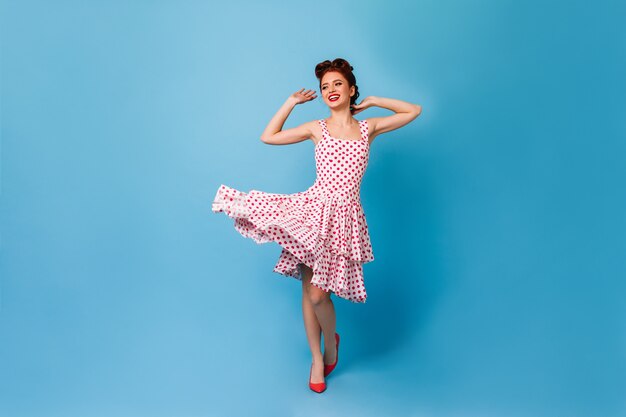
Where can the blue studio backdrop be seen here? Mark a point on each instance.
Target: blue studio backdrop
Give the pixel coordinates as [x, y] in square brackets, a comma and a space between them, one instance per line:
[497, 217]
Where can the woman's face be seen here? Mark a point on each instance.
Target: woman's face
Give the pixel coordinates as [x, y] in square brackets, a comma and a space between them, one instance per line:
[335, 86]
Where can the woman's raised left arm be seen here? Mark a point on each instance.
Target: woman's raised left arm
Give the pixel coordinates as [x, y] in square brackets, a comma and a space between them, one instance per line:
[405, 113]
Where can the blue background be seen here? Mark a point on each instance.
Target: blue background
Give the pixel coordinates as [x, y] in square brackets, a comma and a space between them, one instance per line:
[497, 217]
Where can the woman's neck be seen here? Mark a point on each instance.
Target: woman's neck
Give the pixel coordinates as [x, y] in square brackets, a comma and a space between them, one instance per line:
[341, 118]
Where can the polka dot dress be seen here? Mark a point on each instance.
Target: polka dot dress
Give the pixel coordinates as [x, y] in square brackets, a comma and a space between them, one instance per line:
[323, 227]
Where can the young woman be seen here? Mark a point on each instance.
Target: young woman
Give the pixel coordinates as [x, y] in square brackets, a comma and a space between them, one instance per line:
[322, 230]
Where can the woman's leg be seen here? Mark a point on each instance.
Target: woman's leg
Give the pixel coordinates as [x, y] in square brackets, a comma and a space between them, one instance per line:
[318, 311]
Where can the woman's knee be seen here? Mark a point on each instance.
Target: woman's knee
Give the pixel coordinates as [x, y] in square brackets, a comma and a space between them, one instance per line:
[317, 295]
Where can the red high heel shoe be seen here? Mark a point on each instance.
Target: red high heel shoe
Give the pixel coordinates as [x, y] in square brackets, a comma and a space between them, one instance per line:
[329, 368]
[316, 386]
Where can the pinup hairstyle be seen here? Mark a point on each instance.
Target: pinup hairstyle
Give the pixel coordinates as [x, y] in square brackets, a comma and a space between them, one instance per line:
[342, 66]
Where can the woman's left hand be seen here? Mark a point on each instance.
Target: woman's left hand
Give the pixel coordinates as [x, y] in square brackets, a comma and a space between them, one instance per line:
[364, 104]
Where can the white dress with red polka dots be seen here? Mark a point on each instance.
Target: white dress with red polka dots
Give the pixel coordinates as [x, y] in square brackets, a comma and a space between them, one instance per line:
[323, 227]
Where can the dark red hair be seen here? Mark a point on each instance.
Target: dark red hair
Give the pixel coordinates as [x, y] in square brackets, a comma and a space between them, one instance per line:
[342, 66]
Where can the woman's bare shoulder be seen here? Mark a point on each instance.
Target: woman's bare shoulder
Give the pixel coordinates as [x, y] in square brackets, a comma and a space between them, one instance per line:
[315, 128]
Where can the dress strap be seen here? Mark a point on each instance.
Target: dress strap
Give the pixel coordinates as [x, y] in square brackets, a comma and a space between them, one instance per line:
[322, 123]
[363, 127]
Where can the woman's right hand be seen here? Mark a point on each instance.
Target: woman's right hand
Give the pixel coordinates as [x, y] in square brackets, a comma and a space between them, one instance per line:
[303, 96]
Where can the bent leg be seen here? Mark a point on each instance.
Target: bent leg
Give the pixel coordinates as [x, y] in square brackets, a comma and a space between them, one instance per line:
[312, 327]
[311, 324]
[319, 301]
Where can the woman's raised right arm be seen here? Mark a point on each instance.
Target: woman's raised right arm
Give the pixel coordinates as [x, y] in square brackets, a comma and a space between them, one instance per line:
[273, 133]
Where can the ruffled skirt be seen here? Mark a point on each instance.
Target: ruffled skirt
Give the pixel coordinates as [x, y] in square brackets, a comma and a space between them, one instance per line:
[321, 230]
